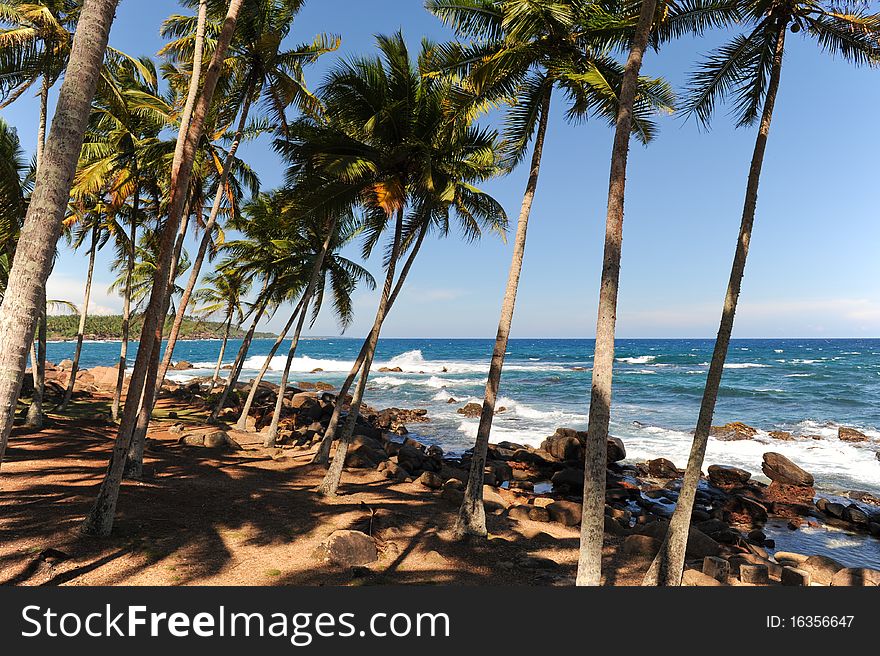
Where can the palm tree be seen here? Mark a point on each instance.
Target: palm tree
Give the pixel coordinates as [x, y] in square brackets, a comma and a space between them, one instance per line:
[224, 294]
[404, 158]
[748, 69]
[100, 518]
[35, 48]
[42, 225]
[522, 50]
[258, 70]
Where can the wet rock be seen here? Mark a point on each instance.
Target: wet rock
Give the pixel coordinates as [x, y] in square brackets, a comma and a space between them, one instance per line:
[851, 435]
[351, 548]
[835, 510]
[471, 410]
[662, 468]
[852, 576]
[723, 476]
[616, 450]
[821, 568]
[735, 430]
[390, 370]
[779, 468]
[181, 365]
[855, 515]
[782, 436]
[394, 419]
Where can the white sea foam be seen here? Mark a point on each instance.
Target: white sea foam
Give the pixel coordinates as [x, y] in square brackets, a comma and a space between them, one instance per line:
[642, 359]
[745, 365]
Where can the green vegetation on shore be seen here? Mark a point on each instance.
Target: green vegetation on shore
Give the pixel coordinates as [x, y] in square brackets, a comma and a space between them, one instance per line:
[65, 326]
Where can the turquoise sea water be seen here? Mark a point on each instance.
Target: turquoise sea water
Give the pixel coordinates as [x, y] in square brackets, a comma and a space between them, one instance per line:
[807, 387]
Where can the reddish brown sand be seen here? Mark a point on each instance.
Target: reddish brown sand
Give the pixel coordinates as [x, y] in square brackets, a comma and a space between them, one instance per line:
[246, 518]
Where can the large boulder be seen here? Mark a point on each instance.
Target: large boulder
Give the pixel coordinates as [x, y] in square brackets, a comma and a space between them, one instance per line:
[851, 435]
[105, 377]
[616, 450]
[662, 468]
[699, 545]
[779, 468]
[364, 453]
[821, 568]
[471, 410]
[564, 445]
[735, 430]
[348, 548]
[565, 512]
[725, 476]
[306, 404]
[860, 576]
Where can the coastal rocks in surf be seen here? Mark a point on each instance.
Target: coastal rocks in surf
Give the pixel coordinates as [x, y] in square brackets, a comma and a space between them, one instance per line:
[567, 444]
[395, 419]
[782, 470]
[733, 431]
[471, 410]
[662, 468]
[851, 435]
[723, 476]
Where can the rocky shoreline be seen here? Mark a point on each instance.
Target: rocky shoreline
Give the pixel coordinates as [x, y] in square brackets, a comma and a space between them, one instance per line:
[524, 483]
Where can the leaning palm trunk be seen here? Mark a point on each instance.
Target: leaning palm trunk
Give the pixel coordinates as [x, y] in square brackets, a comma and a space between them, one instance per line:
[330, 484]
[126, 307]
[668, 566]
[83, 316]
[100, 518]
[207, 238]
[134, 464]
[272, 434]
[238, 365]
[593, 518]
[322, 456]
[241, 424]
[226, 332]
[472, 514]
[42, 227]
[38, 357]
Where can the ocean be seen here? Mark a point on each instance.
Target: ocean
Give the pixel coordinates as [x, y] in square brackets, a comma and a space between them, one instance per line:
[808, 387]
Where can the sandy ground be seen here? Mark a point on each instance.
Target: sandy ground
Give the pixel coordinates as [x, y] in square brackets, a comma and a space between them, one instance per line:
[246, 518]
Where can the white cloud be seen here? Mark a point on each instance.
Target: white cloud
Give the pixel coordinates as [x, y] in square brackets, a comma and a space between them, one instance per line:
[68, 288]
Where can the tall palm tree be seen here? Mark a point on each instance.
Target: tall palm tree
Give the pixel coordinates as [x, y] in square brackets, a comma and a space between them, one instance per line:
[100, 519]
[35, 48]
[748, 70]
[260, 72]
[406, 160]
[521, 51]
[224, 293]
[42, 225]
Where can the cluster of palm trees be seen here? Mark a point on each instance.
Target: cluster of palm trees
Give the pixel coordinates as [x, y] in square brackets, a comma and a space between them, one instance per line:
[387, 151]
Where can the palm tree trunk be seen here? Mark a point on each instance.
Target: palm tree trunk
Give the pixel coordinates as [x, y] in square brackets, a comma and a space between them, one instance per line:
[35, 411]
[126, 308]
[42, 227]
[238, 365]
[306, 300]
[100, 518]
[38, 353]
[668, 566]
[207, 238]
[226, 332]
[322, 456]
[593, 522]
[330, 484]
[134, 464]
[83, 315]
[472, 514]
[241, 424]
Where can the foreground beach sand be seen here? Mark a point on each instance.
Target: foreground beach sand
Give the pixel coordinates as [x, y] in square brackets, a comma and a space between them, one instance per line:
[243, 514]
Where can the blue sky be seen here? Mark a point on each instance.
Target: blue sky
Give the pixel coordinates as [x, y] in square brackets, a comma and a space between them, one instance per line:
[813, 267]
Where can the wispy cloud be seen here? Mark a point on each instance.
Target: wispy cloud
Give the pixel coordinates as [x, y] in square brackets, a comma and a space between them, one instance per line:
[69, 288]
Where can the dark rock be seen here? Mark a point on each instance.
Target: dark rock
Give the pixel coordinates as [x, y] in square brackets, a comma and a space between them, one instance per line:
[699, 545]
[471, 410]
[643, 546]
[754, 574]
[431, 480]
[855, 515]
[717, 568]
[616, 450]
[724, 476]
[570, 479]
[835, 510]
[779, 468]
[565, 512]
[564, 446]
[351, 548]
[662, 468]
[783, 436]
[793, 576]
